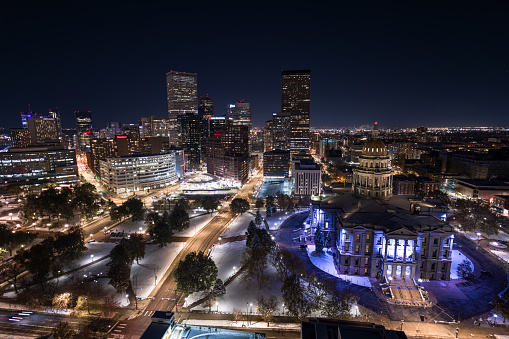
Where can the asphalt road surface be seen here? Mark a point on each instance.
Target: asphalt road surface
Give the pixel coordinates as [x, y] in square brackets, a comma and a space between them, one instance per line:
[28, 324]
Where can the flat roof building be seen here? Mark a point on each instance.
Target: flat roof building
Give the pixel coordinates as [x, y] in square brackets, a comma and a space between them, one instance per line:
[276, 164]
[139, 173]
[38, 165]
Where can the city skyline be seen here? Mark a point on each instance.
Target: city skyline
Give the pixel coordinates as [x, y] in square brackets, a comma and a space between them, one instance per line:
[404, 66]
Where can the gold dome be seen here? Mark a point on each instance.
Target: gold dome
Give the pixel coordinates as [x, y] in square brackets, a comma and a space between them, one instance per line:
[374, 147]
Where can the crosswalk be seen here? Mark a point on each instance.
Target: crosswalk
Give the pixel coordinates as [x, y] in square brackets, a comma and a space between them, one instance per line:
[148, 313]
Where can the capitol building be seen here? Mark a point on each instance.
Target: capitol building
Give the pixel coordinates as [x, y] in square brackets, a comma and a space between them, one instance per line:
[379, 235]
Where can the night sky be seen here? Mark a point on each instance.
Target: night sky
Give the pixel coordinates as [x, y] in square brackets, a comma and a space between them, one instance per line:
[402, 65]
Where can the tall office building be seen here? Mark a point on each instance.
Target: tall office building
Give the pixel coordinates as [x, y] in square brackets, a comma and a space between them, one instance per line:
[206, 110]
[227, 151]
[182, 95]
[296, 100]
[281, 130]
[155, 127]
[83, 127]
[268, 136]
[240, 113]
[53, 113]
[190, 134]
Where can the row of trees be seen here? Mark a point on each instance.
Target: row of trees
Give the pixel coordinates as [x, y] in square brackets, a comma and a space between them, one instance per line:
[302, 294]
[162, 227]
[122, 257]
[61, 204]
[131, 209]
[208, 203]
[472, 215]
[49, 256]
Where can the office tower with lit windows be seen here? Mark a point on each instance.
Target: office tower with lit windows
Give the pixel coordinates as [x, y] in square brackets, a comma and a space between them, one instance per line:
[296, 100]
[240, 113]
[268, 136]
[155, 127]
[182, 95]
[281, 130]
[83, 127]
[53, 113]
[190, 134]
[206, 110]
[227, 150]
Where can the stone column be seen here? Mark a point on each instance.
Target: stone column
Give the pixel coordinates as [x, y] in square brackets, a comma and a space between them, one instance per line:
[415, 252]
[396, 241]
[386, 246]
[404, 252]
[412, 272]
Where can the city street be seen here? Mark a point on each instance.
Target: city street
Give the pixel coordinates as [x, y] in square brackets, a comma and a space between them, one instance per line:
[202, 241]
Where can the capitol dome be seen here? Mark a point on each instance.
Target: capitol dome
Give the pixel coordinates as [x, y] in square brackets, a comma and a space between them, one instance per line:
[373, 176]
[374, 147]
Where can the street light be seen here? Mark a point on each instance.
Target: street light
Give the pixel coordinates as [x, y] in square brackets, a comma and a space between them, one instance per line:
[10, 214]
[92, 256]
[478, 236]
[217, 303]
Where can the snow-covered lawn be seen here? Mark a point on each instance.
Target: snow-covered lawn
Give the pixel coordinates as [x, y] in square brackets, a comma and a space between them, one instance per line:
[457, 258]
[501, 254]
[326, 264]
[238, 292]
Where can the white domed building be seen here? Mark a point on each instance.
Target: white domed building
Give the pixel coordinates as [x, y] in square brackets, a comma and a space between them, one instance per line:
[373, 176]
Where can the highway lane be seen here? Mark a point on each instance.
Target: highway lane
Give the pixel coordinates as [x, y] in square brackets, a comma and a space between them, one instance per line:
[202, 241]
[33, 324]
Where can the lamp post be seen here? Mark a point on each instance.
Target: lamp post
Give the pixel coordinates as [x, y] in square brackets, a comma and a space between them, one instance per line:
[217, 303]
[92, 257]
[10, 214]
[478, 237]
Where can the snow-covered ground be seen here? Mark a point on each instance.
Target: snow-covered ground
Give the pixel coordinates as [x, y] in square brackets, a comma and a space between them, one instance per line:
[501, 236]
[501, 254]
[239, 293]
[326, 264]
[227, 258]
[277, 218]
[196, 222]
[457, 258]
[156, 262]
[239, 225]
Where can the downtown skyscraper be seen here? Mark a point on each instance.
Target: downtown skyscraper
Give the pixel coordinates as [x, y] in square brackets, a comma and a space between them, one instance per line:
[296, 100]
[182, 95]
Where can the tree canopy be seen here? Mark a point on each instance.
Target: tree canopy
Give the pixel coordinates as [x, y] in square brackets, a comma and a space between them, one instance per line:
[239, 205]
[197, 272]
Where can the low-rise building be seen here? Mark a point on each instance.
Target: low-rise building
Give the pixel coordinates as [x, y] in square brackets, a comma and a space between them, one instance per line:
[403, 185]
[501, 204]
[481, 189]
[38, 165]
[307, 178]
[139, 173]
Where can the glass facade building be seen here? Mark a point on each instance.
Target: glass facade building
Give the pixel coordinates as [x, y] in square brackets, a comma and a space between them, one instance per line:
[182, 96]
[296, 100]
[139, 173]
